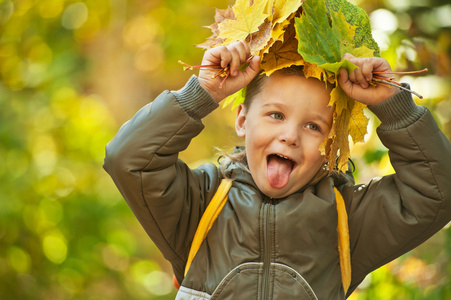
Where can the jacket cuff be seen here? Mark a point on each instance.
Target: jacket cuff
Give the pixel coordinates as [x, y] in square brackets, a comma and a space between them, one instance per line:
[398, 111]
[196, 101]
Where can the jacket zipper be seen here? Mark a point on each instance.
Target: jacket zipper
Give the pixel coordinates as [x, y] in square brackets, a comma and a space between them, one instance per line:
[267, 247]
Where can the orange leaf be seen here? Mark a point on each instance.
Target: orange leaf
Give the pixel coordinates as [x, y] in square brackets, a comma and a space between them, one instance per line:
[282, 54]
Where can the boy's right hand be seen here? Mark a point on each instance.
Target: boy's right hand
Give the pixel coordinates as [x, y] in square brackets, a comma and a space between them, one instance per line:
[233, 55]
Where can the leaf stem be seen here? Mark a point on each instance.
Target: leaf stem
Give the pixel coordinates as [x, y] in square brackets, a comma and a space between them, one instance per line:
[385, 82]
[189, 67]
[404, 73]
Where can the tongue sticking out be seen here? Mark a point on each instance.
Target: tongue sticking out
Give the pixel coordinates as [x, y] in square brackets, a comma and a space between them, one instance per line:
[279, 170]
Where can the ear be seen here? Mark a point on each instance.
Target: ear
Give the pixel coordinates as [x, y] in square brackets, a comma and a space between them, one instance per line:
[240, 121]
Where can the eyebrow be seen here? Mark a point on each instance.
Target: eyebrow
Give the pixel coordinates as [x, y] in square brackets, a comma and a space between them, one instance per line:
[323, 119]
[276, 104]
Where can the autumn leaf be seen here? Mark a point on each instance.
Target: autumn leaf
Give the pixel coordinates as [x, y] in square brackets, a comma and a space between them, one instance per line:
[317, 38]
[312, 70]
[358, 123]
[284, 8]
[260, 39]
[248, 18]
[325, 35]
[357, 17]
[236, 98]
[220, 16]
[348, 120]
[282, 54]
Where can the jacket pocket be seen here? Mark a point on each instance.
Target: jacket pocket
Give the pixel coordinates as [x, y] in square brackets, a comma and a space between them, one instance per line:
[245, 281]
[289, 284]
[240, 283]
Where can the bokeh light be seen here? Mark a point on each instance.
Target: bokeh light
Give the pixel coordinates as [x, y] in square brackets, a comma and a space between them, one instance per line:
[71, 72]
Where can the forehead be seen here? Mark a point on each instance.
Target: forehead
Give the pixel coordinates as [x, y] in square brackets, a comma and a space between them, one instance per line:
[295, 88]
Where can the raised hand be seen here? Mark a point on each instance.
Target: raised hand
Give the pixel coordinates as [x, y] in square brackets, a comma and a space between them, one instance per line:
[231, 56]
[356, 84]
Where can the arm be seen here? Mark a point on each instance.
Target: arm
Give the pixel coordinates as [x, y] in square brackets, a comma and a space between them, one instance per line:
[392, 215]
[166, 196]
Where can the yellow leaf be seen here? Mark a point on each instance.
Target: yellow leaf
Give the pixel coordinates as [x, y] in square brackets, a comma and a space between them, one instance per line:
[260, 39]
[349, 120]
[220, 16]
[341, 141]
[284, 8]
[358, 123]
[312, 70]
[279, 29]
[362, 51]
[248, 17]
[339, 99]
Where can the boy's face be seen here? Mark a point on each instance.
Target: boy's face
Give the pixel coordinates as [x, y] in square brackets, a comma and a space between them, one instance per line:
[283, 129]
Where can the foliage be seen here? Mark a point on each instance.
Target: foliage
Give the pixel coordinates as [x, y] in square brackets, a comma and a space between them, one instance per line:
[325, 34]
[72, 71]
[317, 39]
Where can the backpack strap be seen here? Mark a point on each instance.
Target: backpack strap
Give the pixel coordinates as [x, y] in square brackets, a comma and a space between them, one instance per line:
[220, 198]
[343, 241]
[208, 218]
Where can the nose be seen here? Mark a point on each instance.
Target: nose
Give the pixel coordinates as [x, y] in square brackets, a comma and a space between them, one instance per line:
[290, 135]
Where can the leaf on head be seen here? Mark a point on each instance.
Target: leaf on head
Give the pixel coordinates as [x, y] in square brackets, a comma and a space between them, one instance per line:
[248, 18]
[282, 54]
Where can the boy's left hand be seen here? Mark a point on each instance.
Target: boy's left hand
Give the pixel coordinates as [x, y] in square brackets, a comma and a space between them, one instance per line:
[356, 83]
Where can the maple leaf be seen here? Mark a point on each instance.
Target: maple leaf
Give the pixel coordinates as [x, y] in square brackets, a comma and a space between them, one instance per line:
[260, 39]
[317, 39]
[356, 16]
[326, 30]
[284, 8]
[220, 16]
[248, 18]
[282, 54]
[348, 120]
[325, 35]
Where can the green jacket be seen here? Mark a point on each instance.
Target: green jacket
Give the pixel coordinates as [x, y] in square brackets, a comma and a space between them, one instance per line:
[262, 248]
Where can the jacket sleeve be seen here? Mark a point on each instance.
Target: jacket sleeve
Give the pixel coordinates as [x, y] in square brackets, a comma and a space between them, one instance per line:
[394, 214]
[167, 197]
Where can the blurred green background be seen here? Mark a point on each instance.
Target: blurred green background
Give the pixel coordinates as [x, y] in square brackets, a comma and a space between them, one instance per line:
[71, 72]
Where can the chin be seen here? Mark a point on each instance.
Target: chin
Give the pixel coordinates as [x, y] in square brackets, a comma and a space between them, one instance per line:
[276, 193]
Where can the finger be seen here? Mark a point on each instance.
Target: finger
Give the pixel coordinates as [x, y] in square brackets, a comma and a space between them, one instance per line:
[240, 49]
[343, 79]
[347, 56]
[361, 80]
[244, 51]
[367, 70]
[221, 55]
[252, 69]
[352, 76]
[235, 63]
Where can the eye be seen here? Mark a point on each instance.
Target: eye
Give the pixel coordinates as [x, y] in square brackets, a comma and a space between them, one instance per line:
[314, 127]
[277, 116]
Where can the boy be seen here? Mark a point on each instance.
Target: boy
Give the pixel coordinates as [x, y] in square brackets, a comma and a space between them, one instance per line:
[276, 236]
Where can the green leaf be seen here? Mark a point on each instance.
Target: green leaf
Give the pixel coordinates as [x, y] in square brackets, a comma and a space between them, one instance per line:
[357, 17]
[236, 98]
[325, 35]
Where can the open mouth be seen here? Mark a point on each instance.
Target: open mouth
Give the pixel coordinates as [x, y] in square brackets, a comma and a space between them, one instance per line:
[279, 169]
[282, 159]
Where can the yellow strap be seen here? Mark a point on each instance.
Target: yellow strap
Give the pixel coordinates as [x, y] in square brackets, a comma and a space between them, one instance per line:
[220, 198]
[343, 241]
[208, 218]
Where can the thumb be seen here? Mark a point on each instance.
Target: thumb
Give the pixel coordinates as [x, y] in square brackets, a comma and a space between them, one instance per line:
[343, 80]
[252, 69]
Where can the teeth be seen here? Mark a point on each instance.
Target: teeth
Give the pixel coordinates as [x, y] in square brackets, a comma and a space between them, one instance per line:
[283, 156]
